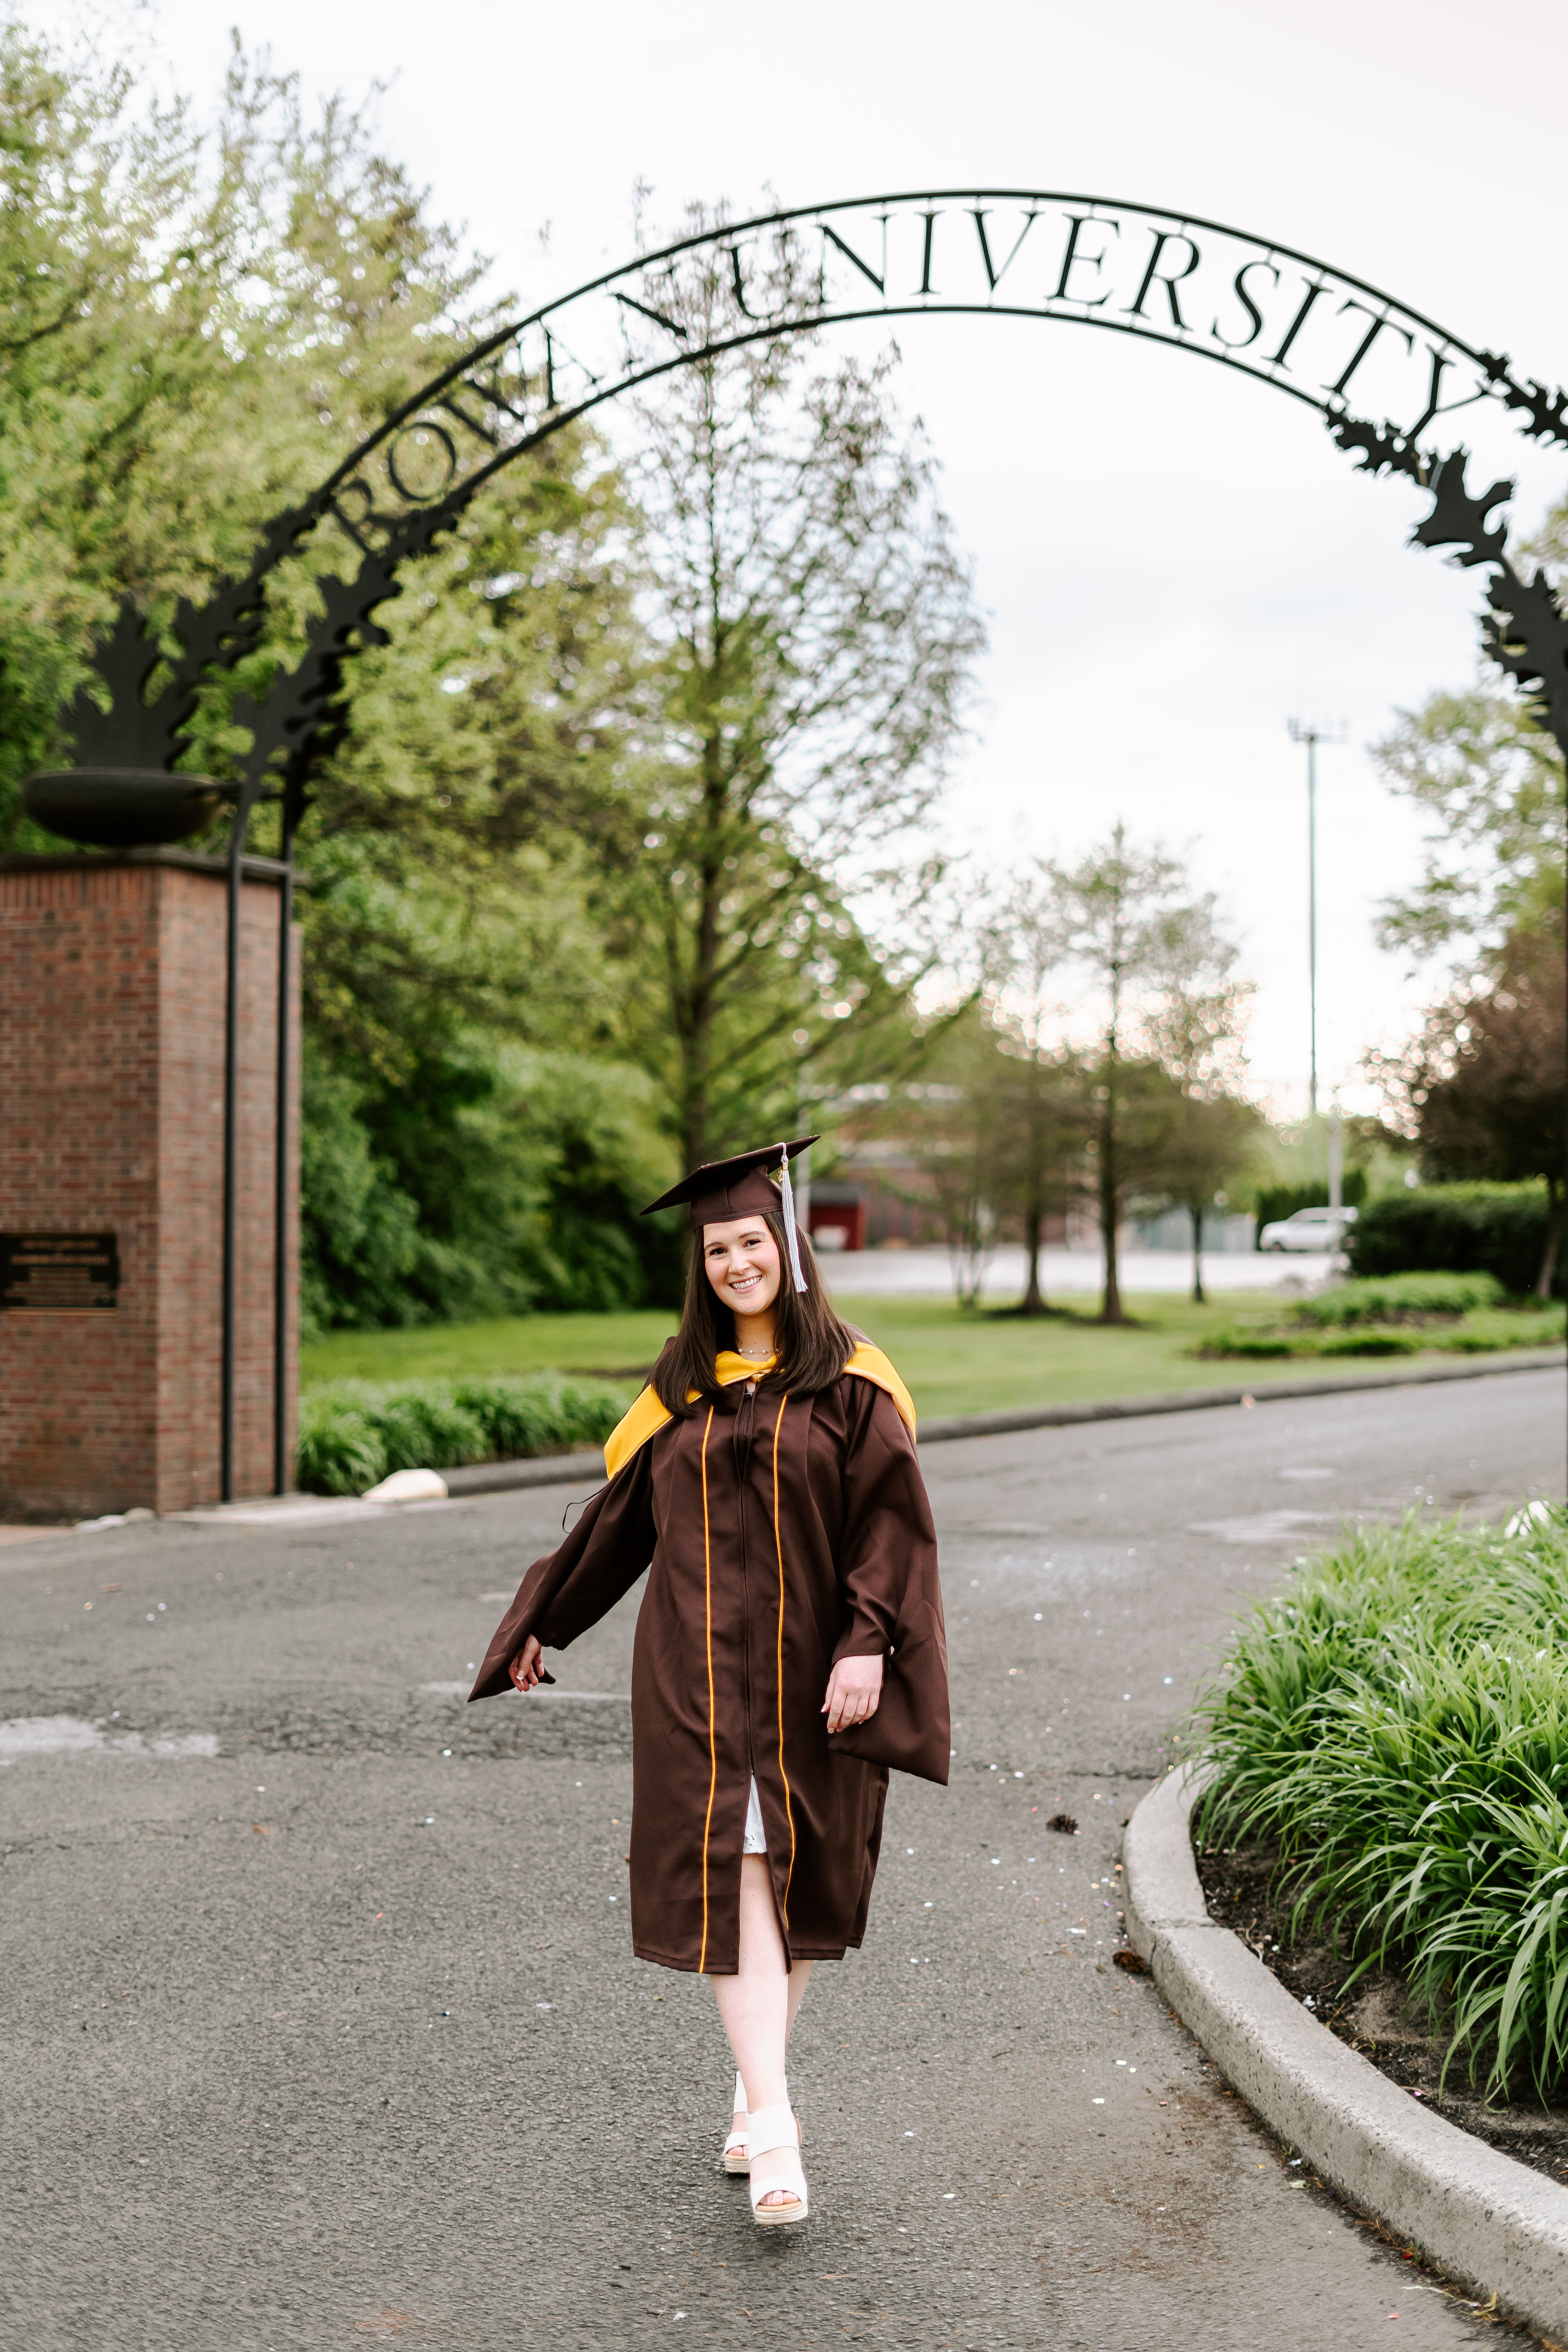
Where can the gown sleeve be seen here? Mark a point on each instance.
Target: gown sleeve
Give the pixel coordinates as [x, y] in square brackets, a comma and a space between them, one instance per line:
[888, 1571]
[582, 1580]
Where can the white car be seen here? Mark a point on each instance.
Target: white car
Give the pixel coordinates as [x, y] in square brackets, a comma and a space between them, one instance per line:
[1309, 1229]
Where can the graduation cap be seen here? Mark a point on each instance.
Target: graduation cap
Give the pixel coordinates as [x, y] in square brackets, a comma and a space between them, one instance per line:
[749, 1183]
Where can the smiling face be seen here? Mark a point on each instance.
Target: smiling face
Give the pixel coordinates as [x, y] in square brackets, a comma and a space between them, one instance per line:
[740, 1260]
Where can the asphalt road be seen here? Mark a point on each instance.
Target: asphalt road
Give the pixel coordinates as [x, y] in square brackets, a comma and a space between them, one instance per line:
[316, 2034]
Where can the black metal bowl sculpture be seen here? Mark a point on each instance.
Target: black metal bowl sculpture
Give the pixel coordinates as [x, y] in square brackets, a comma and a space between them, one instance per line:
[122, 808]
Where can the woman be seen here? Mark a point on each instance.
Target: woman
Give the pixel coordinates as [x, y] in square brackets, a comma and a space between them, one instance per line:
[789, 1646]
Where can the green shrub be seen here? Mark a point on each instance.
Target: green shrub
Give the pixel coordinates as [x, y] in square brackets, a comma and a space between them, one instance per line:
[540, 1414]
[1497, 1228]
[1400, 1315]
[423, 1427]
[1365, 1341]
[1402, 1294]
[1395, 1725]
[353, 1433]
[1235, 1339]
[592, 1410]
[1481, 1334]
[339, 1450]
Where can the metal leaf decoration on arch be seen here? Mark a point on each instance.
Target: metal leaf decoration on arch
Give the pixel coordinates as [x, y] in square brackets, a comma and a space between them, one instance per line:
[136, 733]
[1385, 449]
[1525, 631]
[1526, 634]
[132, 732]
[1546, 409]
[1462, 521]
[307, 718]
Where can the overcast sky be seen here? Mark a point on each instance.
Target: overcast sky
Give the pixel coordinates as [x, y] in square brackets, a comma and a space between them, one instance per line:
[1175, 561]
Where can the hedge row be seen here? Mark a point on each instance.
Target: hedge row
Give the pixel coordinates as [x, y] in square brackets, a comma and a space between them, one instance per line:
[1497, 1228]
[353, 1433]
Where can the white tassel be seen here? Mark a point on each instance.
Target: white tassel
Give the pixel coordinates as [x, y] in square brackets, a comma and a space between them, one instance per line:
[790, 1235]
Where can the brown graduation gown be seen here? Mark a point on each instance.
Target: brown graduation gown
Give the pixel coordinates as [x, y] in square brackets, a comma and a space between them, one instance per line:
[783, 1533]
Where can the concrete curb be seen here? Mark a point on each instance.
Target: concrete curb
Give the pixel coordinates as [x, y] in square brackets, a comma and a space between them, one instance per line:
[1065, 1416]
[567, 1469]
[1486, 2220]
[543, 1470]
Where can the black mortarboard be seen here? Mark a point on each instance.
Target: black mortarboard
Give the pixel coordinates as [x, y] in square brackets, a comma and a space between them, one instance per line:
[742, 1187]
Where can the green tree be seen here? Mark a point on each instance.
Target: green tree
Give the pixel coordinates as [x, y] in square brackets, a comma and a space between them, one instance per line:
[815, 630]
[1492, 783]
[455, 854]
[1039, 1107]
[1212, 1143]
[951, 1120]
[556, 823]
[1038, 1095]
[1482, 1086]
[1216, 1133]
[200, 324]
[204, 324]
[1143, 944]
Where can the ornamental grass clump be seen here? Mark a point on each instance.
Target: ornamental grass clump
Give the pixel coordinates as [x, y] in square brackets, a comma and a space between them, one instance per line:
[1395, 1727]
[540, 1414]
[423, 1426]
[352, 1432]
[338, 1450]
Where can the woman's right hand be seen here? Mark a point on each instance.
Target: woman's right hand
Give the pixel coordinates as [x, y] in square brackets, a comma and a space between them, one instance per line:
[528, 1666]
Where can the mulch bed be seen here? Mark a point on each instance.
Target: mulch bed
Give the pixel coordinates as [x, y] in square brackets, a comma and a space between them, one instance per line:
[1376, 2016]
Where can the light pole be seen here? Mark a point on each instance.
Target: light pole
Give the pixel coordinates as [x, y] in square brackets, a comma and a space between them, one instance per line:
[1311, 736]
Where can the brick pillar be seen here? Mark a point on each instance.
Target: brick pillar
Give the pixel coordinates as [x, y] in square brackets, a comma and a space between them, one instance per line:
[111, 1068]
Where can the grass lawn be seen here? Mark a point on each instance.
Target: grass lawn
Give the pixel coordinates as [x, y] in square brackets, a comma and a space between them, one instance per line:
[622, 1344]
[954, 1362]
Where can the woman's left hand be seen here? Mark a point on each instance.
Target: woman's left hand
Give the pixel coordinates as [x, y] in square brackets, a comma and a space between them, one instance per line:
[854, 1692]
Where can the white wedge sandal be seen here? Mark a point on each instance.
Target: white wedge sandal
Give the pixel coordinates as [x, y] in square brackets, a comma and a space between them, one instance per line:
[736, 2157]
[768, 2130]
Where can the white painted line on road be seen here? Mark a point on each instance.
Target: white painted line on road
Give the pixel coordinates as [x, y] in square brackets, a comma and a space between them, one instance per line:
[69, 1735]
[309, 1510]
[1263, 1527]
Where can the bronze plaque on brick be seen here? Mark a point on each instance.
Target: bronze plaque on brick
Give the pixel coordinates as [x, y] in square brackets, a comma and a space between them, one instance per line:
[59, 1274]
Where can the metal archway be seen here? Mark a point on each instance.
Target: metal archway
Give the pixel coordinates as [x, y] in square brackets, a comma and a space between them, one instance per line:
[1321, 336]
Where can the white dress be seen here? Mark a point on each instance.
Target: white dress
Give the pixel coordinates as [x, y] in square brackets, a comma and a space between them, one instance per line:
[755, 1840]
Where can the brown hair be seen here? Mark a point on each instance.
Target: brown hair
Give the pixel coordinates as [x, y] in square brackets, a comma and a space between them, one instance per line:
[812, 1345]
